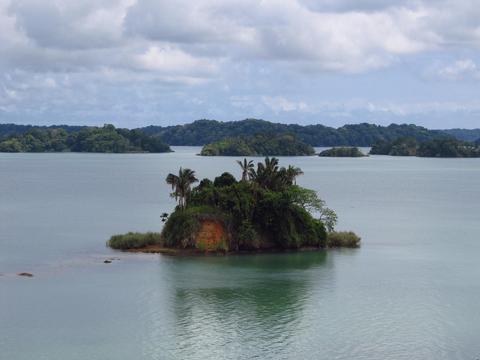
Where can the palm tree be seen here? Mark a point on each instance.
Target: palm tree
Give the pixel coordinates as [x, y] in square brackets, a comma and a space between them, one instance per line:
[292, 173]
[247, 168]
[181, 185]
[267, 174]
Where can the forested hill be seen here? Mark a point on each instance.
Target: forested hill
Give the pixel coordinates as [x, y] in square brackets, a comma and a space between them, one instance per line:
[203, 132]
[464, 134]
[106, 139]
[7, 130]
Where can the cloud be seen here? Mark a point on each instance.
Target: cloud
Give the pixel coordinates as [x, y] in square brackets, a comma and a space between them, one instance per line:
[460, 69]
[281, 104]
[174, 61]
[269, 57]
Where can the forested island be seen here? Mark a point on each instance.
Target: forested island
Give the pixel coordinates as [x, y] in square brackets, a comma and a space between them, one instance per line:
[447, 148]
[259, 145]
[264, 210]
[342, 152]
[201, 132]
[106, 139]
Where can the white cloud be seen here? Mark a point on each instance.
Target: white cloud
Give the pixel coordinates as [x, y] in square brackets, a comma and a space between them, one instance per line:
[281, 104]
[70, 51]
[460, 69]
[171, 60]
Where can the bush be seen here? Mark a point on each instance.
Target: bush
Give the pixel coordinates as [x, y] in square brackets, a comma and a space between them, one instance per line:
[182, 225]
[134, 240]
[346, 239]
[342, 152]
[247, 237]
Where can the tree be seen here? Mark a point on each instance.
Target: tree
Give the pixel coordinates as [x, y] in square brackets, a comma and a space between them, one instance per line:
[181, 185]
[247, 167]
[292, 172]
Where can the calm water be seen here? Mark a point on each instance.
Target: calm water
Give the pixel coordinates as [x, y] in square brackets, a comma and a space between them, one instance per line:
[411, 292]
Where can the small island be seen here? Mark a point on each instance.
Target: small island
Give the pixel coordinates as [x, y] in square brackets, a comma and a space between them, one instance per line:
[263, 211]
[106, 139]
[259, 145]
[344, 151]
[440, 148]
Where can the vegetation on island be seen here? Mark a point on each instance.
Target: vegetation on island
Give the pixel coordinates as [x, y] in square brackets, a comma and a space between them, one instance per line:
[203, 132]
[134, 240]
[265, 209]
[343, 151]
[446, 147]
[258, 145]
[347, 239]
[106, 139]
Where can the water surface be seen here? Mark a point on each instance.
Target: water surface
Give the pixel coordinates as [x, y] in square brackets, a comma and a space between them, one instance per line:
[411, 292]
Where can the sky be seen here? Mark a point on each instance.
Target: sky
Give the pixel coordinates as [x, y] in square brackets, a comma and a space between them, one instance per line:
[140, 62]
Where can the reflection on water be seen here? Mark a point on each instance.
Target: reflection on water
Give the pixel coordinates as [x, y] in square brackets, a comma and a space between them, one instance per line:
[223, 304]
[411, 292]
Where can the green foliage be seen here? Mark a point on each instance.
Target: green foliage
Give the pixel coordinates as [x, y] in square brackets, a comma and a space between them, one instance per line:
[346, 239]
[448, 148]
[134, 240]
[203, 132]
[464, 134]
[181, 185]
[87, 139]
[182, 225]
[226, 179]
[247, 236]
[266, 211]
[342, 152]
[445, 147]
[262, 144]
[398, 147]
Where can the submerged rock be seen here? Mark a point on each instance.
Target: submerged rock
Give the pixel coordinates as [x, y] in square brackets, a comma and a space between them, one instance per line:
[25, 274]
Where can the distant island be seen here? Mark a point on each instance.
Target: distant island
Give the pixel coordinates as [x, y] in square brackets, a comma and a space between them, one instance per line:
[201, 132]
[259, 145]
[342, 152]
[445, 148]
[106, 139]
[265, 210]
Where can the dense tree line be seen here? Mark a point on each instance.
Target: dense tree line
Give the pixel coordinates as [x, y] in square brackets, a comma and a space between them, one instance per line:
[86, 139]
[265, 209]
[203, 132]
[434, 148]
[9, 130]
[342, 152]
[259, 145]
[464, 134]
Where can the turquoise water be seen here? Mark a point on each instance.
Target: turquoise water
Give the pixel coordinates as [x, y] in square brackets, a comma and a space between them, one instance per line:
[411, 292]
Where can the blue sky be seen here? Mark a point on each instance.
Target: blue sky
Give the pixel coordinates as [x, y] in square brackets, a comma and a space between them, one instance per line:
[140, 62]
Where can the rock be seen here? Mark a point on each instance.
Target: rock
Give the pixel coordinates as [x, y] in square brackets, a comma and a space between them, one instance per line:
[26, 274]
[107, 261]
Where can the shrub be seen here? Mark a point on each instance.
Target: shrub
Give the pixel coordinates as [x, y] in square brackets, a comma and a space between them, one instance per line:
[134, 240]
[342, 152]
[247, 236]
[346, 239]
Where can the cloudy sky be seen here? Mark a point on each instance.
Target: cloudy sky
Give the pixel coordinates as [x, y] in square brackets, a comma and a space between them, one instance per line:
[139, 62]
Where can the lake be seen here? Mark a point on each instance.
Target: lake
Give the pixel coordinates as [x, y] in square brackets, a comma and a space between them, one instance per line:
[412, 291]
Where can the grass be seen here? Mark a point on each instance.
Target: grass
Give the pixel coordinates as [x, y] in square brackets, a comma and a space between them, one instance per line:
[134, 240]
[347, 239]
